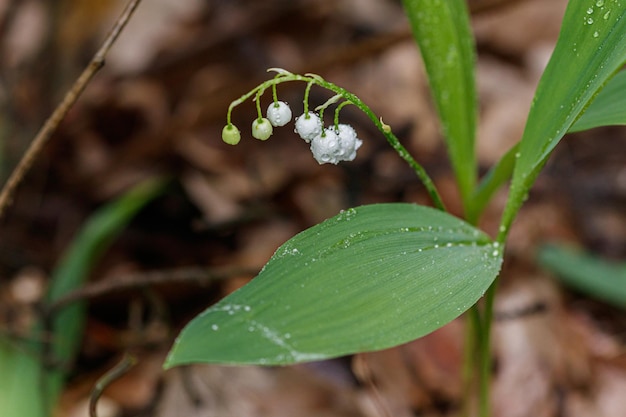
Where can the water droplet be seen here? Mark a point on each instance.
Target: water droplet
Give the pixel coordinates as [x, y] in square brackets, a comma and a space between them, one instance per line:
[600, 3]
[590, 10]
[518, 154]
[215, 327]
[590, 20]
[496, 244]
[247, 308]
[606, 15]
[596, 34]
[495, 253]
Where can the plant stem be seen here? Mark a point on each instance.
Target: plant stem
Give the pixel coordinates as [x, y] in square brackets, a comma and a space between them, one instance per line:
[484, 404]
[473, 337]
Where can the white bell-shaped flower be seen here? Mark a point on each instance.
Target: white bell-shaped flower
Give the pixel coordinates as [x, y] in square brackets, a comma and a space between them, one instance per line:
[326, 147]
[350, 143]
[279, 113]
[309, 126]
[261, 129]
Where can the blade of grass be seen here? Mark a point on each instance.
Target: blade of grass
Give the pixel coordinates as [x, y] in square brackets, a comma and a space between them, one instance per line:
[28, 386]
[608, 108]
[589, 274]
[491, 182]
[590, 49]
[442, 30]
[94, 238]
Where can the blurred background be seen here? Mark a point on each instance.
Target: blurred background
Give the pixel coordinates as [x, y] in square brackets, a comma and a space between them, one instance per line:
[157, 109]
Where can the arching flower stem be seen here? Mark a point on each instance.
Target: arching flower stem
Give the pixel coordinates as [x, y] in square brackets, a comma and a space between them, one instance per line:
[314, 79]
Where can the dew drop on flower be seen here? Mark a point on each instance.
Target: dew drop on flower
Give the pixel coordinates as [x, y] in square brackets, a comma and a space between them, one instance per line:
[279, 113]
[349, 142]
[309, 126]
[231, 135]
[326, 148]
[261, 129]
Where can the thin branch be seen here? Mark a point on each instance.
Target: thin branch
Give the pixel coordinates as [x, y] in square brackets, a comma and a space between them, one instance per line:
[126, 282]
[63, 108]
[116, 372]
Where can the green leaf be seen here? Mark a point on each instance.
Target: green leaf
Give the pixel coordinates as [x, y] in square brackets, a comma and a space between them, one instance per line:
[367, 279]
[590, 49]
[589, 274]
[86, 249]
[608, 108]
[21, 375]
[442, 31]
[491, 182]
[28, 386]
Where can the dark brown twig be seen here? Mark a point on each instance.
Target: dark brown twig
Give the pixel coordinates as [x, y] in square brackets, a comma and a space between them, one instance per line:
[63, 108]
[116, 372]
[200, 275]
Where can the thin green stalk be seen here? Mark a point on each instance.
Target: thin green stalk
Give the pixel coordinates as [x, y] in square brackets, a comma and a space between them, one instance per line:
[473, 337]
[485, 363]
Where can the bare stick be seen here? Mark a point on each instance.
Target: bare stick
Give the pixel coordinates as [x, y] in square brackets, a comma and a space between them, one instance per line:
[116, 372]
[63, 108]
[133, 281]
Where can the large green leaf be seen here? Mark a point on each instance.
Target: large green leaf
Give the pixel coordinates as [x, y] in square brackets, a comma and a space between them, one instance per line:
[587, 273]
[608, 108]
[442, 31]
[369, 278]
[590, 49]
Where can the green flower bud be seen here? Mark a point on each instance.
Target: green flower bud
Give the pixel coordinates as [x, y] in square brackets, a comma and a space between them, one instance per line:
[262, 129]
[230, 134]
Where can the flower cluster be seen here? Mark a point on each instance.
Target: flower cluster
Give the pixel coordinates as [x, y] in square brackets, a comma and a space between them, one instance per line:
[333, 144]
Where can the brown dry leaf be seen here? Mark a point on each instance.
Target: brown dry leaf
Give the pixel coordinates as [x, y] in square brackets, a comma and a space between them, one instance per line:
[221, 391]
[538, 355]
[422, 376]
[260, 242]
[517, 29]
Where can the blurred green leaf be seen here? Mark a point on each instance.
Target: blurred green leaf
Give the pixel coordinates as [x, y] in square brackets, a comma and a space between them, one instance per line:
[94, 238]
[590, 49]
[367, 279]
[442, 31]
[21, 375]
[608, 108]
[591, 275]
[28, 387]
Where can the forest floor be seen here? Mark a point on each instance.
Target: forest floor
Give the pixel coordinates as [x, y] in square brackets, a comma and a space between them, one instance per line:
[157, 110]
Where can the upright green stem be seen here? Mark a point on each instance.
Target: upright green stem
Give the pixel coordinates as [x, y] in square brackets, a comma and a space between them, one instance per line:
[485, 363]
[473, 337]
